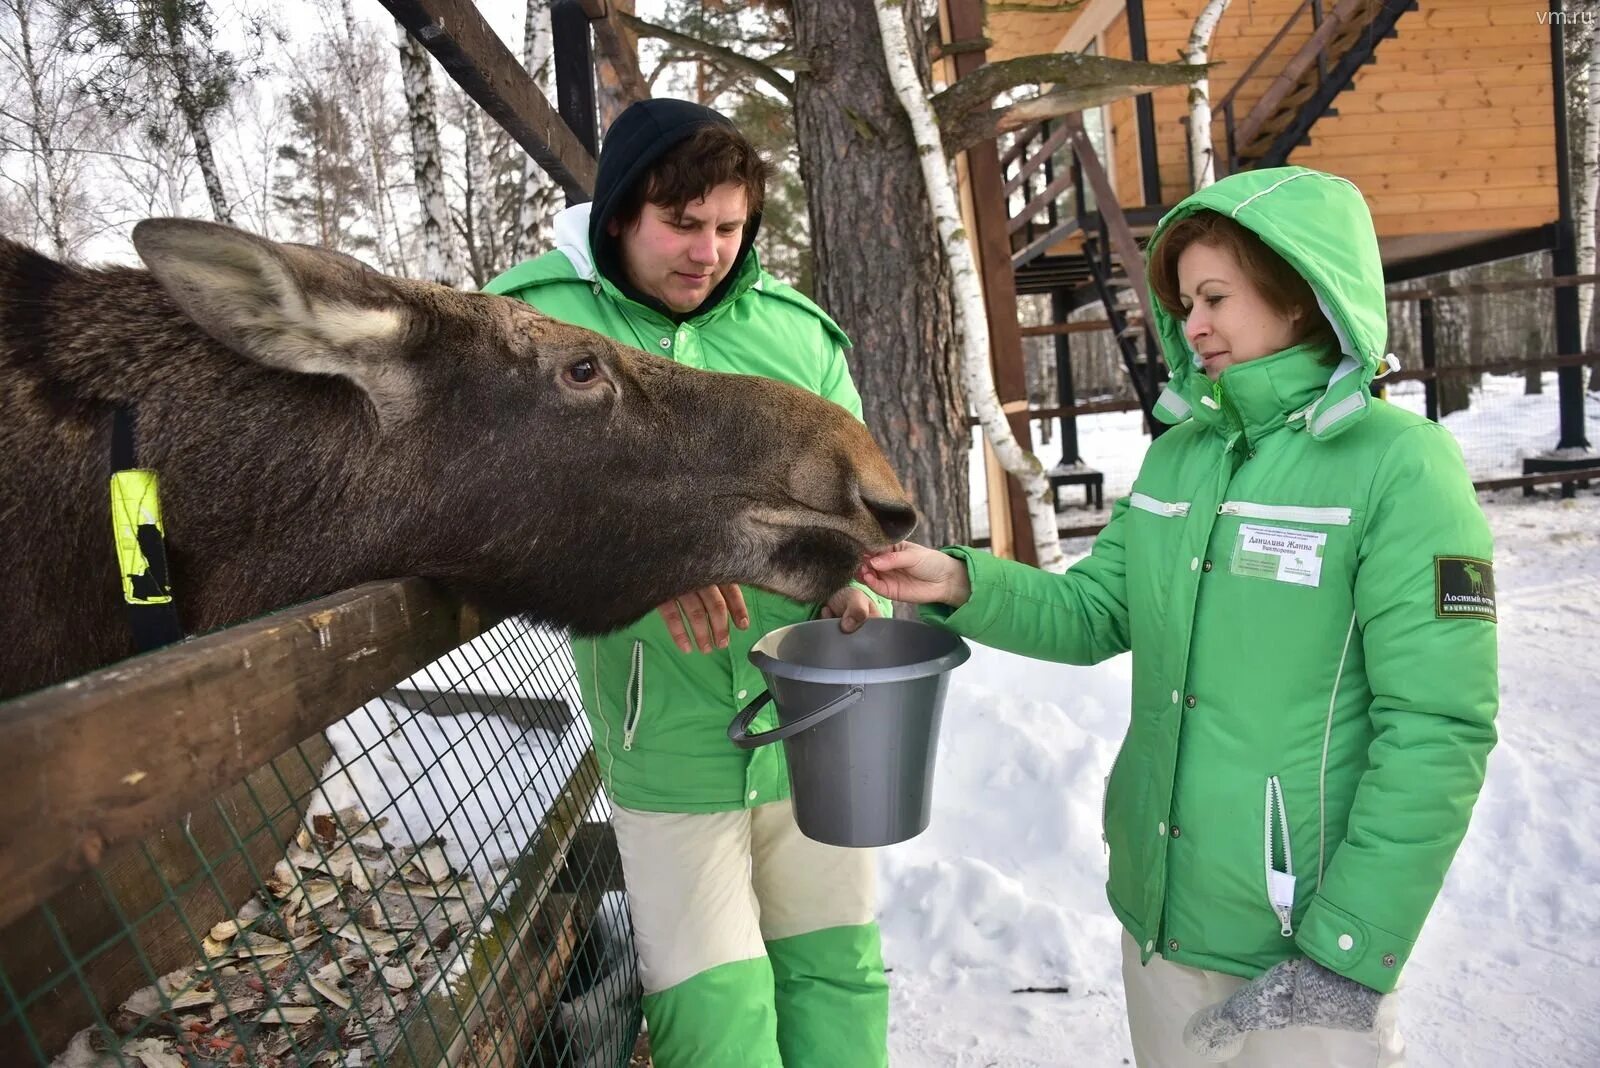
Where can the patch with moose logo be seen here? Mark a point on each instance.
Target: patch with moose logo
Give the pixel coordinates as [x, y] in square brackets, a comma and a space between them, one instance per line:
[1463, 588]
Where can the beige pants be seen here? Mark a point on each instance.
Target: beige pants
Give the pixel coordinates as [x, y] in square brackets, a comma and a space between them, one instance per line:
[1162, 996]
[710, 888]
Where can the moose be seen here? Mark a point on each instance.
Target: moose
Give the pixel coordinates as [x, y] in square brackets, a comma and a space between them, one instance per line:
[315, 425]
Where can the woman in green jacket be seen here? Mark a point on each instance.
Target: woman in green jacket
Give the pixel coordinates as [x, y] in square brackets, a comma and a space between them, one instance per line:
[1302, 573]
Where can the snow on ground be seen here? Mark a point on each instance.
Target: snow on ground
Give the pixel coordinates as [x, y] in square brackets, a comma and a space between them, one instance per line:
[1005, 889]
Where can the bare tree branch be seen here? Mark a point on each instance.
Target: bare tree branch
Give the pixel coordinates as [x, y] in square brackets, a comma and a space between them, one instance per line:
[964, 111]
[716, 53]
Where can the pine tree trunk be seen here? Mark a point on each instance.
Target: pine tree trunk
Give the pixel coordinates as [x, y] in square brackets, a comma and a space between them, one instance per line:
[880, 269]
[438, 264]
[610, 97]
[193, 118]
[537, 205]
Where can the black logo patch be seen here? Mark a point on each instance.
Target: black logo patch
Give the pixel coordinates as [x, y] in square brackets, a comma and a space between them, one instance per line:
[1463, 588]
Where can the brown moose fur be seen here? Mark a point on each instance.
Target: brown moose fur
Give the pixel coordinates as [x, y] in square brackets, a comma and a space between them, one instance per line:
[316, 425]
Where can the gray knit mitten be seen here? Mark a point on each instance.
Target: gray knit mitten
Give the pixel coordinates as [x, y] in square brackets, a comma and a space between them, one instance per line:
[1295, 993]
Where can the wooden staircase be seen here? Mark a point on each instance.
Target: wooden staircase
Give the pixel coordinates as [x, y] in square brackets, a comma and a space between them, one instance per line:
[1342, 41]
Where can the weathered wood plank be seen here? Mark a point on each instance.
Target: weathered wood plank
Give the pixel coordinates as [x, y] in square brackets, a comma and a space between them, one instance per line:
[516, 961]
[485, 68]
[103, 760]
[211, 863]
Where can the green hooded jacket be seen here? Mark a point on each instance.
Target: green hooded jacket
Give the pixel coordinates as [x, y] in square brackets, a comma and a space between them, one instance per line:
[660, 715]
[1302, 573]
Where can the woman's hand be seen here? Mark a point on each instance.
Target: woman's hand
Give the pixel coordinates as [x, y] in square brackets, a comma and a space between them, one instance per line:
[917, 574]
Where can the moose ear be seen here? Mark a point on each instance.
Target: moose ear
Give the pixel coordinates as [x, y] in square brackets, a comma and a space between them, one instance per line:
[291, 307]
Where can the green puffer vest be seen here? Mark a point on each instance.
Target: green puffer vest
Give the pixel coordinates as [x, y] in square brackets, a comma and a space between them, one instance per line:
[1302, 573]
[660, 715]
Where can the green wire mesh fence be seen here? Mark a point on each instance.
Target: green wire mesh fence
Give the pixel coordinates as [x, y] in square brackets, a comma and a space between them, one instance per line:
[429, 882]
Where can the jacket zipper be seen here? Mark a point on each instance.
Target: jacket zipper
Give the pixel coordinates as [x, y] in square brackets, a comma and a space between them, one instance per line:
[633, 697]
[1146, 503]
[1328, 517]
[1280, 884]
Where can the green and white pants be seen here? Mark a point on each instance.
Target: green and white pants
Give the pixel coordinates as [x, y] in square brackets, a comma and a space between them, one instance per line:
[757, 947]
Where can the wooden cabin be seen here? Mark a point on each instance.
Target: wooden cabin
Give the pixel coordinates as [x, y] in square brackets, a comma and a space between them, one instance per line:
[1445, 118]
[1443, 112]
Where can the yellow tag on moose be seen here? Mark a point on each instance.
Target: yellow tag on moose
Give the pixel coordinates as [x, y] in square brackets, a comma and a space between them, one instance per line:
[136, 524]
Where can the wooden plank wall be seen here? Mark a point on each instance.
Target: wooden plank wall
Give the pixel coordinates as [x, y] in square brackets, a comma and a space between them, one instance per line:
[1451, 130]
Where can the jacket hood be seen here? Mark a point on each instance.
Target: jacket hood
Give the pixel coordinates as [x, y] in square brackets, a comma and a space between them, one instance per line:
[642, 134]
[1320, 225]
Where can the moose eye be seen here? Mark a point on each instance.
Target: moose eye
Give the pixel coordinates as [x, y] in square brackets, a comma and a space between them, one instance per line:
[582, 372]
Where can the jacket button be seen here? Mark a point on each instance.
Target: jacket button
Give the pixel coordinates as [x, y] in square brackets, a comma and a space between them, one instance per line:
[1172, 944]
[1388, 960]
[1174, 696]
[1206, 566]
[1189, 700]
[1161, 829]
[753, 795]
[1176, 833]
[1346, 943]
[666, 342]
[1194, 563]
[743, 694]
[1150, 946]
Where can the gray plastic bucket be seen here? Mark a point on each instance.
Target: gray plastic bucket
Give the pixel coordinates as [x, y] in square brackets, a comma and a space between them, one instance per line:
[860, 715]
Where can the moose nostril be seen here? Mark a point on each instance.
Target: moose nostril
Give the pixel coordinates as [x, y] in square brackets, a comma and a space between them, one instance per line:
[896, 520]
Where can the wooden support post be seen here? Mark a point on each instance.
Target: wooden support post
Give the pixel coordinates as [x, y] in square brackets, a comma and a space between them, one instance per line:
[1569, 380]
[574, 64]
[1430, 360]
[992, 242]
[1064, 391]
[480, 63]
[1144, 108]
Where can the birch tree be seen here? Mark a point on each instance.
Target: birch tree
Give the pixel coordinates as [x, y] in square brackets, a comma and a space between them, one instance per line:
[1202, 154]
[537, 205]
[39, 117]
[427, 158]
[363, 82]
[972, 324]
[152, 47]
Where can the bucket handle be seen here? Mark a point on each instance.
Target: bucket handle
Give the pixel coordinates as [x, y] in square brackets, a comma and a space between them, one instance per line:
[739, 730]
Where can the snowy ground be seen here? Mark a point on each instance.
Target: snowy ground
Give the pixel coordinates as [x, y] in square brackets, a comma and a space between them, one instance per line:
[1004, 891]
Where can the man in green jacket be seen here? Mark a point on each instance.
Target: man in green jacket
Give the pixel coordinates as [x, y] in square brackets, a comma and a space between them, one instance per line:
[757, 947]
[1303, 575]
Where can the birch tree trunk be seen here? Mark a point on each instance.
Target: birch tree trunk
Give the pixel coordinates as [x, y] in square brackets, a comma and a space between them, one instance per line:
[438, 262]
[537, 205]
[476, 229]
[41, 132]
[972, 325]
[1586, 188]
[193, 117]
[1202, 155]
[383, 222]
[880, 269]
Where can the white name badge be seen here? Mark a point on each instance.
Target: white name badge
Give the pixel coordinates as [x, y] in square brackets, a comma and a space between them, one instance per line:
[1280, 553]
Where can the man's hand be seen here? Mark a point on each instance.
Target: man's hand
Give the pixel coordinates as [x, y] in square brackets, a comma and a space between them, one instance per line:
[701, 616]
[1294, 993]
[851, 607]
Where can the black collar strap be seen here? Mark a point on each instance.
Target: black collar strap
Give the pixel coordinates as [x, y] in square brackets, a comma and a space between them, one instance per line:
[140, 543]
